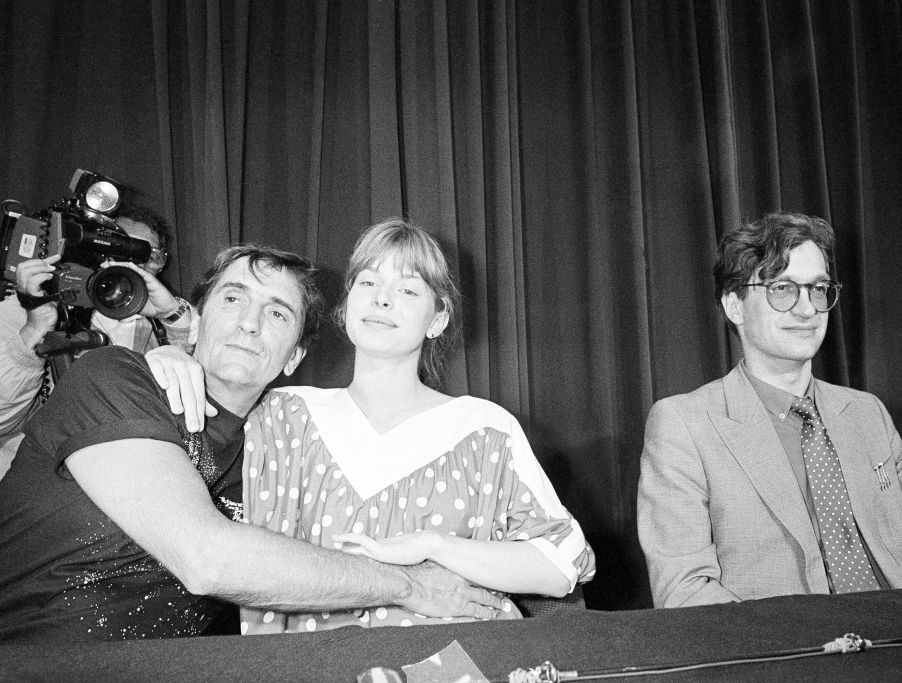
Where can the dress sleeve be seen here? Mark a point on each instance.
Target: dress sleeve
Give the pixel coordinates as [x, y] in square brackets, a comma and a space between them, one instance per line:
[273, 475]
[529, 509]
[255, 447]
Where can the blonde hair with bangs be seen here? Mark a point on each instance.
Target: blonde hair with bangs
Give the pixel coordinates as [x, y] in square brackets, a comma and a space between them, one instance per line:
[415, 250]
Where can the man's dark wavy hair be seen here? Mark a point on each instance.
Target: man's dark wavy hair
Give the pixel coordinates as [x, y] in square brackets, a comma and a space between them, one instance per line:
[150, 218]
[762, 248]
[276, 259]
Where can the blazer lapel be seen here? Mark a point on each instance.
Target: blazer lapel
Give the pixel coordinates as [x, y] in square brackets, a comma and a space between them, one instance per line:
[853, 438]
[749, 434]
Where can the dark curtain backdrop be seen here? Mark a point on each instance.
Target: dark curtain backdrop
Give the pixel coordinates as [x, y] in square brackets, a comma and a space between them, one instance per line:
[579, 160]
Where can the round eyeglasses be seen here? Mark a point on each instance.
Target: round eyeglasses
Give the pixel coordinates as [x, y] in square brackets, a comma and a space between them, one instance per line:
[782, 295]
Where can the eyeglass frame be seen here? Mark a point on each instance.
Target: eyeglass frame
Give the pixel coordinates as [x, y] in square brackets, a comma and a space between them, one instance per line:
[163, 256]
[163, 259]
[798, 286]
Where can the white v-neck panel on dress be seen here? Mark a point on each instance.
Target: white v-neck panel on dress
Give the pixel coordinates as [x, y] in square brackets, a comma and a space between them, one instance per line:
[371, 461]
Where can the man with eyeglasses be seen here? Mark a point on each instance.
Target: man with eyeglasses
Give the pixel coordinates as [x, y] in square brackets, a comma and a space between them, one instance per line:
[767, 481]
[22, 373]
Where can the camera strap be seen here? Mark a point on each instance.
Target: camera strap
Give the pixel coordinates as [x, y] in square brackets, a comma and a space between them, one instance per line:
[46, 383]
[29, 302]
[159, 332]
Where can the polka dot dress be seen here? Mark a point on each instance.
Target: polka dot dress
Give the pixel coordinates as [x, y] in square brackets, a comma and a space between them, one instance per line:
[312, 471]
[847, 562]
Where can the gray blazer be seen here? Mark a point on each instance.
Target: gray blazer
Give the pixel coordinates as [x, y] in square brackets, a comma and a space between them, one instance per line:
[720, 513]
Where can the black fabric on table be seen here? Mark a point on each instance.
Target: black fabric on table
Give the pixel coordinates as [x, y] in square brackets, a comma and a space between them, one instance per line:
[571, 639]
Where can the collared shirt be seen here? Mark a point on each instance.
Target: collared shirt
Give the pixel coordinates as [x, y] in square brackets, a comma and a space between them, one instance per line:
[788, 425]
[134, 332]
[21, 374]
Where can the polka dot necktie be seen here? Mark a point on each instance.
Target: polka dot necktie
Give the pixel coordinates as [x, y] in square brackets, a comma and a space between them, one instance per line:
[847, 562]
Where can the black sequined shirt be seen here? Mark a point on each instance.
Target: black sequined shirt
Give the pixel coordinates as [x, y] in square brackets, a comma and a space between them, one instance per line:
[67, 570]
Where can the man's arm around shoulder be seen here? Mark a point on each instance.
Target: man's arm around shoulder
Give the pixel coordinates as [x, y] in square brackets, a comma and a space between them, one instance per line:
[152, 492]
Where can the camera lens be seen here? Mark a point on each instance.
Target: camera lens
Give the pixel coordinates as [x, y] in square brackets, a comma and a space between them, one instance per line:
[117, 292]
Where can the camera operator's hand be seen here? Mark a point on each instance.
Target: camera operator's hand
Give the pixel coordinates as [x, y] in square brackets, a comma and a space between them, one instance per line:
[160, 301]
[30, 277]
[182, 378]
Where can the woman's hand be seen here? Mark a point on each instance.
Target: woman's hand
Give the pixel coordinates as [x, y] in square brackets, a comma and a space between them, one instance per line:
[406, 549]
[182, 378]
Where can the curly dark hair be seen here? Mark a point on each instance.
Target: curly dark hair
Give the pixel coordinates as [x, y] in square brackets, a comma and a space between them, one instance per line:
[276, 259]
[762, 248]
[150, 218]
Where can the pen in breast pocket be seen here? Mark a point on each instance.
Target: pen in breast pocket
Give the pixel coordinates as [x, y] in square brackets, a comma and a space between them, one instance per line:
[882, 477]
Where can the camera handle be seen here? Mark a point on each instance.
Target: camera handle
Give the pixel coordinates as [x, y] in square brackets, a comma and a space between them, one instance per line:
[60, 348]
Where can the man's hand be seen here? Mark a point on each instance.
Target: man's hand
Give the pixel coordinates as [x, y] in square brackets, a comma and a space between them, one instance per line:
[160, 301]
[30, 276]
[33, 273]
[182, 378]
[437, 592]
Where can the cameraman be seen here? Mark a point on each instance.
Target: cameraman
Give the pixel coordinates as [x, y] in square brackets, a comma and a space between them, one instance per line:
[24, 381]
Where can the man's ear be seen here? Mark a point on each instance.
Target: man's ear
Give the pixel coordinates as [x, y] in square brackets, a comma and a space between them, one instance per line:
[294, 361]
[732, 306]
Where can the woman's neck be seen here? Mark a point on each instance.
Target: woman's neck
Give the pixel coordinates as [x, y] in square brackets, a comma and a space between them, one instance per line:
[388, 393]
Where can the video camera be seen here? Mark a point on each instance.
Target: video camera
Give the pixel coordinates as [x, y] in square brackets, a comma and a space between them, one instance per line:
[82, 229]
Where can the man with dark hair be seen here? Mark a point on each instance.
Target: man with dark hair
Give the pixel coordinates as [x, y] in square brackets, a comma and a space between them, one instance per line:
[116, 522]
[23, 372]
[768, 481]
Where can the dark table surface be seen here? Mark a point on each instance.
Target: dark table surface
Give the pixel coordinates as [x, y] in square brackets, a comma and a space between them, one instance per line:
[586, 641]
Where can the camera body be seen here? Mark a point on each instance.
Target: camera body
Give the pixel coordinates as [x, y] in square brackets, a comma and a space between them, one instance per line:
[84, 239]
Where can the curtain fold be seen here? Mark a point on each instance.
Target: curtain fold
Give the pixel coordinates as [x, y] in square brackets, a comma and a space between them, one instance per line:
[578, 159]
[167, 199]
[467, 102]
